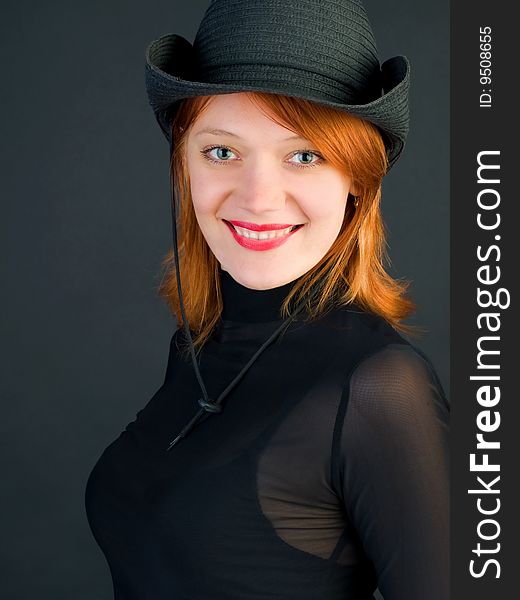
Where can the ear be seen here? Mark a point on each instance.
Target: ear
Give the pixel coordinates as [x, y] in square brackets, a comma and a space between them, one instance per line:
[353, 189]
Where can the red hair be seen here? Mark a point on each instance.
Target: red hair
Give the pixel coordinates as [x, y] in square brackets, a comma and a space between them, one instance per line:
[353, 268]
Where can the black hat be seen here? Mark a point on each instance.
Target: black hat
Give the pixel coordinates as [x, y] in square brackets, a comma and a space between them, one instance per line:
[319, 50]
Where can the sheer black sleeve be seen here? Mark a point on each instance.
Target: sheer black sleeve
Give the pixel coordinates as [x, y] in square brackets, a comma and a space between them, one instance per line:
[391, 460]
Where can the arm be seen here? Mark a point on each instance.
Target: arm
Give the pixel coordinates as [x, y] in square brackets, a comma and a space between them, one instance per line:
[391, 462]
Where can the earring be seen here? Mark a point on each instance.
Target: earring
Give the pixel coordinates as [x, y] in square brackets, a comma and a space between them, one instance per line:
[356, 199]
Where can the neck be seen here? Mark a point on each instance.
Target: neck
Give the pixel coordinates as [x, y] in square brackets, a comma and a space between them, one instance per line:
[248, 305]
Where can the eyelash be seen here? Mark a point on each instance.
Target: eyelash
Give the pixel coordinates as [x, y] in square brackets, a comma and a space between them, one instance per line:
[205, 154]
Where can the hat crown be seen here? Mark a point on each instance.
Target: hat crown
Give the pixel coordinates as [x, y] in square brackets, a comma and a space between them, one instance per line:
[259, 41]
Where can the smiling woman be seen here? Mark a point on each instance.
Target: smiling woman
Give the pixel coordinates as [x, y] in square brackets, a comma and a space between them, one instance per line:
[301, 452]
[260, 174]
[260, 181]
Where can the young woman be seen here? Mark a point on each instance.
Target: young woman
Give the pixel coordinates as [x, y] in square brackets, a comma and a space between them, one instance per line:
[297, 448]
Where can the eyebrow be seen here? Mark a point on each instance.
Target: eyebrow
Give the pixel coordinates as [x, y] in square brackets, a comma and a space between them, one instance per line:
[231, 134]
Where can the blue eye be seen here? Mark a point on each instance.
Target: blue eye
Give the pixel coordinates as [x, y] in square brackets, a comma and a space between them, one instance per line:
[222, 154]
[307, 162]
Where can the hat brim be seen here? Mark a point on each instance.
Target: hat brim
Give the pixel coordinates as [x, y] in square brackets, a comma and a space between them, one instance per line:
[169, 62]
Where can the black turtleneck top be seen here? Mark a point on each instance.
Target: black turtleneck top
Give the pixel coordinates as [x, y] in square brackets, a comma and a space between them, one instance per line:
[324, 477]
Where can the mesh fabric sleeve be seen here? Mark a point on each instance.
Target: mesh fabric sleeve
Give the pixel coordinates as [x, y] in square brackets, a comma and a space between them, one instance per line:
[390, 461]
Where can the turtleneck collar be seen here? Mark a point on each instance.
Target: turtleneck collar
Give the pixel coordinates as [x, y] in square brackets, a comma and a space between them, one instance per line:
[244, 304]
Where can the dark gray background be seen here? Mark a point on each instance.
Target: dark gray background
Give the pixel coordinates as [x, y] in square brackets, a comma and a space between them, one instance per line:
[85, 225]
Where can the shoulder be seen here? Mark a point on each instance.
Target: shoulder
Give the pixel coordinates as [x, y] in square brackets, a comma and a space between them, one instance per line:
[397, 362]
[356, 320]
[382, 354]
[356, 333]
[395, 387]
[393, 411]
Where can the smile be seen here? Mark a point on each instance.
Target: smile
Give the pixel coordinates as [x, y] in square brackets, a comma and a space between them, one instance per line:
[261, 237]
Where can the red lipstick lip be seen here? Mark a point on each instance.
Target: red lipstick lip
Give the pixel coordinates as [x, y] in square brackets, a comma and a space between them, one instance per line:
[266, 227]
[259, 245]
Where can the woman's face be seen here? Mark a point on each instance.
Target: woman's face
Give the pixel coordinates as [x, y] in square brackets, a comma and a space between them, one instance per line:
[252, 181]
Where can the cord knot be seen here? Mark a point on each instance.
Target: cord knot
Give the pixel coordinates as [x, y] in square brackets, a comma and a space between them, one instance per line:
[210, 406]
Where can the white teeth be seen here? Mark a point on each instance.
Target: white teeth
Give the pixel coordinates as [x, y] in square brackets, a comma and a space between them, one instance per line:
[262, 235]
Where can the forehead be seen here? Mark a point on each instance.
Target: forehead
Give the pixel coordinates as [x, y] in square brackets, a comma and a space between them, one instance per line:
[237, 116]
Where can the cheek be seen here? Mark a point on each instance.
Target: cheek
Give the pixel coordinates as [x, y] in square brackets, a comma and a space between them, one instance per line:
[325, 210]
[204, 193]
[324, 199]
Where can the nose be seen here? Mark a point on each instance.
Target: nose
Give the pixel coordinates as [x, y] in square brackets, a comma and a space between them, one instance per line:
[261, 187]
